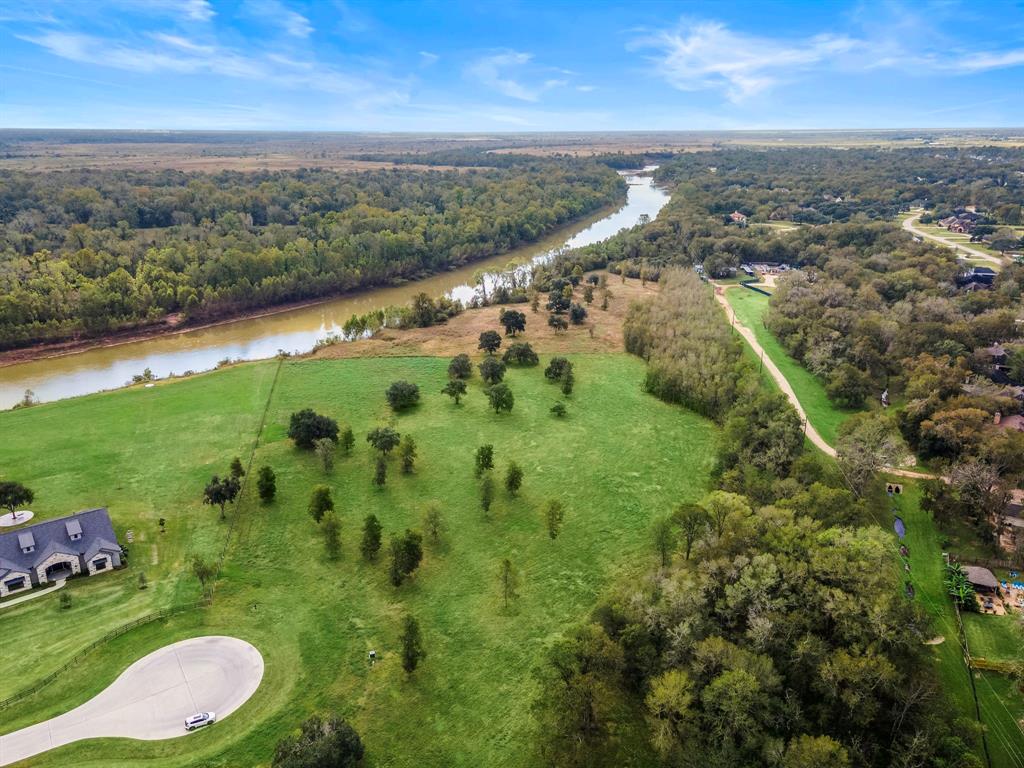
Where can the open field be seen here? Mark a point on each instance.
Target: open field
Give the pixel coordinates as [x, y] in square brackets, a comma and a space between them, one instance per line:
[618, 459]
[998, 698]
[750, 308]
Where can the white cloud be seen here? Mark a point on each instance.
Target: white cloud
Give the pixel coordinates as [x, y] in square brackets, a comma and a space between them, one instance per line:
[180, 55]
[984, 61]
[586, 88]
[427, 58]
[197, 10]
[275, 12]
[493, 71]
[489, 71]
[707, 55]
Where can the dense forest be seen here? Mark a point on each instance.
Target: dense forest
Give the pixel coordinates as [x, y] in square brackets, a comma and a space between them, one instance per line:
[777, 634]
[88, 252]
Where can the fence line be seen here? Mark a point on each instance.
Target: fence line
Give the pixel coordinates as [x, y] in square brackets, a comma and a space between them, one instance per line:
[149, 618]
[970, 676]
[750, 285]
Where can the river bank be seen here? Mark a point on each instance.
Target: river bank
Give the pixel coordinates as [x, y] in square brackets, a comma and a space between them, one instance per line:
[94, 365]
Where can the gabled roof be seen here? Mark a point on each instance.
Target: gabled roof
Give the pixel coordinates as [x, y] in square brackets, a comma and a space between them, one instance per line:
[6, 567]
[100, 545]
[54, 535]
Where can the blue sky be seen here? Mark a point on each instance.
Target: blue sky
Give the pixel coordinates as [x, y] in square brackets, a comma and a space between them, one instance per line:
[509, 66]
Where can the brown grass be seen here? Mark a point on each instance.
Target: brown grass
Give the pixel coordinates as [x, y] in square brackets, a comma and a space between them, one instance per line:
[602, 331]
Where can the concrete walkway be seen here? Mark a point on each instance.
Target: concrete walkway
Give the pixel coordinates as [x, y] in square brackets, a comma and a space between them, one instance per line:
[910, 221]
[812, 434]
[151, 699]
[32, 594]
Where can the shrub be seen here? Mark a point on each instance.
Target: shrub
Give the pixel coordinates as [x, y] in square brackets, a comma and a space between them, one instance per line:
[461, 367]
[520, 353]
[306, 427]
[321, 743]
[492, 370]
[402, 395]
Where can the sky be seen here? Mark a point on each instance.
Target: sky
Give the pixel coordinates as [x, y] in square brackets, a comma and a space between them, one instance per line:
[345, 65]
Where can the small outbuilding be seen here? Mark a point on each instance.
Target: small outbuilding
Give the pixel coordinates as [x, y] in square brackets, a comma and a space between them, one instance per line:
[981, 579]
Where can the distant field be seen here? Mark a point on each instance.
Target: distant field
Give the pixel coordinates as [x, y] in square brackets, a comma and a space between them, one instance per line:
[618, 459]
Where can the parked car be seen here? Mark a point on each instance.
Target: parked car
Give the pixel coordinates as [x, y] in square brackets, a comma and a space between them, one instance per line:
[199, 719]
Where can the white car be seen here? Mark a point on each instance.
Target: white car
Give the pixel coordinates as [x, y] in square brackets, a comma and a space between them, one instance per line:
[199, 719]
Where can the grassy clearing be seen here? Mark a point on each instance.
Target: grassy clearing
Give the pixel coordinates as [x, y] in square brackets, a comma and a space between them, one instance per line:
[997, 696]
[750, 308]
[620, 458]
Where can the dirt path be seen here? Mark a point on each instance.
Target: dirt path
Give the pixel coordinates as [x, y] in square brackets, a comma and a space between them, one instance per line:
[908, 224]
[812, 434]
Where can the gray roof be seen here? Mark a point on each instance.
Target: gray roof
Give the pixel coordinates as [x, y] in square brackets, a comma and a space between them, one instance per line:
[54, 535]
[981, 577]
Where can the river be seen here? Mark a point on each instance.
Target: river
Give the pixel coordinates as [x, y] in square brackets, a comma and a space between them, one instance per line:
[294, 330]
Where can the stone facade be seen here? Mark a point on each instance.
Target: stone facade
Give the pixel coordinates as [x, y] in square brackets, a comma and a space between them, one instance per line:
[54, 559]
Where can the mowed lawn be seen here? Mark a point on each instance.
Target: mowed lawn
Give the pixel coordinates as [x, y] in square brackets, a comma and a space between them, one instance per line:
[617, 460]
[750, 308]
[1000, 703]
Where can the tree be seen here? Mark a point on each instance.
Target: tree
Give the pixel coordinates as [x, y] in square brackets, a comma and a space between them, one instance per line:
[407, 451]
[492, 370]
[489, 342]
[557, 303]
[266, 484]
[433, 522]
[461, 367]
[815, 752]
[559, 410]
[588, 294]
[204, 571]
[402, 395]
[384, 439]
[412, 645]
[220, 493]
[347, 441]
[320, 501]
[554, 515]
[568, 380]
[557, 369]
[664, 535]
[380, 472]
[14, 495]
[670, 711]
[237, 471]
[513, 320]
[500, 398]
[320, 743]
[557, 323]
[867, 443]
[370, 544]
[487, 493]
[324, 449]
[513, 478]
[723, 505]
[520, 353]
[306, 427]
[509, 581]
[693, 520]
[330, 527]
[484, 459]
[406, 554]
[577, 313]
[455, 389]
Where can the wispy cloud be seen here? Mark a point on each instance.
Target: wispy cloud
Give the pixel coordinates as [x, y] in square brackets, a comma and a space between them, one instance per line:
[709, 55]
[275, 12]
[496, 72]
[176, 54]
[705, 55]
[428, 59]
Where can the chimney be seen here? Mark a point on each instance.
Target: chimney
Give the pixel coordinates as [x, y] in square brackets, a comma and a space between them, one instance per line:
[997, 418]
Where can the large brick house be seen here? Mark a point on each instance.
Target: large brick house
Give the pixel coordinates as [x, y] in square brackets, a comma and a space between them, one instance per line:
[82, 543]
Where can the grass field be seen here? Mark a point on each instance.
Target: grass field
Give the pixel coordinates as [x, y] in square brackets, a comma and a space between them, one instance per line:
[619, 458]
[1001, 704]
[750, 308]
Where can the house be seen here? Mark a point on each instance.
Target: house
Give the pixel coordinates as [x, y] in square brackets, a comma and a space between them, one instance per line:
[738, 218]
[82, 543]
[996, 354]
[981, 578]
[980, 275]
[1010, 524]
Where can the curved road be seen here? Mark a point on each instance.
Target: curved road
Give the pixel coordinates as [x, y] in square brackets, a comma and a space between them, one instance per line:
[151, 699]
[908, 224]
[812, 434]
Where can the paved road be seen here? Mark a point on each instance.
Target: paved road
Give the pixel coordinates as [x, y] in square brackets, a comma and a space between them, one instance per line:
[910, 221]
[151, 699]
[812, 434]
